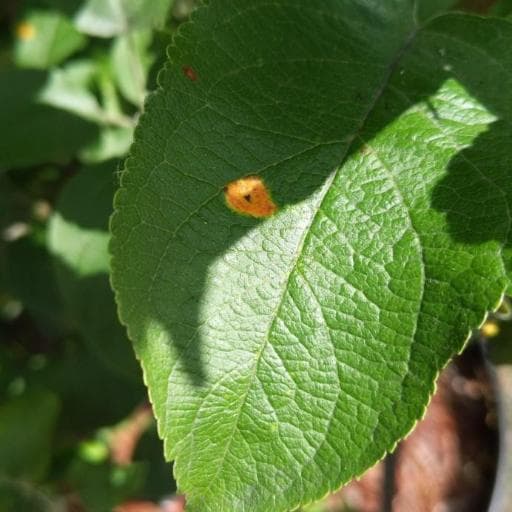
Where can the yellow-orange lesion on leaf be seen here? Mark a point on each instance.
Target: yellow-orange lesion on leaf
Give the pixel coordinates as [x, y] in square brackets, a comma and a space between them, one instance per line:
[25, 31]
[250, 196]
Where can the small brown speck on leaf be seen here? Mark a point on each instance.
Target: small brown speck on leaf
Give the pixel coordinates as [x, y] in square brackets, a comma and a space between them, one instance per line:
[189, 73]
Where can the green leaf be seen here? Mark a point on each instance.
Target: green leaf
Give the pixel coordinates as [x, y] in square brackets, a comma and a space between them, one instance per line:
[131, 61]
[68, 7]
[20, 495]
[12, 211]
[70, 89]
[79, 377]
[286, 355]
[31, 280]
[44, 39]
[27, 424]
[108, 18]
[32, 133]
[78, 238]
[103, 487]
[26, 272]
[112, 142]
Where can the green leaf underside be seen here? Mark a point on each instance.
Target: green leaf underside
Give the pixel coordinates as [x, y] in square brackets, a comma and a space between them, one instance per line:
[286, 356]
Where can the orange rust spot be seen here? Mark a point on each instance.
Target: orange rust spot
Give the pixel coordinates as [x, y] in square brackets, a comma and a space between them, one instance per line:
[189, 73]
[25, 31]
[249, 196]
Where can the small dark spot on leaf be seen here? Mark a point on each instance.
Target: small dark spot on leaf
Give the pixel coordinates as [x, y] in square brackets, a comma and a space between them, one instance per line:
[248, 198]
[189, 73]
[365, 150]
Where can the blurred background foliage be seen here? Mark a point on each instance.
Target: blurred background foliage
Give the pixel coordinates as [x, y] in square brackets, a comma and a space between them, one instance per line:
[76, 430]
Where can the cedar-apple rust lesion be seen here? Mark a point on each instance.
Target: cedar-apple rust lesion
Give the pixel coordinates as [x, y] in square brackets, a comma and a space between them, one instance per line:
[249, 196]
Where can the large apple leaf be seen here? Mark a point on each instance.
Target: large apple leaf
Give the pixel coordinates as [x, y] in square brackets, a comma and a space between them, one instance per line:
[286, 355]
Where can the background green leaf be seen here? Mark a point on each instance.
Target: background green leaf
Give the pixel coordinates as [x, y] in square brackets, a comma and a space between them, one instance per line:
[286, 356]
[45, 38]
[30, 132]
[31, 280]
[19, 495]
[107, 18]
[131, 61]
[78, 238]
[70, 88]
[12, 206]
[112, 142]
[74, 88]
[103, 486]
[501, 8]
[78, 377]
[59, 331]
[26, 270]
[27, 425]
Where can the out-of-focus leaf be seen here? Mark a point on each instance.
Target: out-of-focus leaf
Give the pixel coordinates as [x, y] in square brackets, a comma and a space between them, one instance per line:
[11, 211]
[107, 18]
[31, 133]
[20, 496]
[31, 280]
[69, 88]
[131, 61]
[68, 7]
[45, 38]
[103, 486]
[27, 424]
[112, 142]
[92, 395]
[78, 238]
[72, 87]
[182, 9]
[26, 270]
